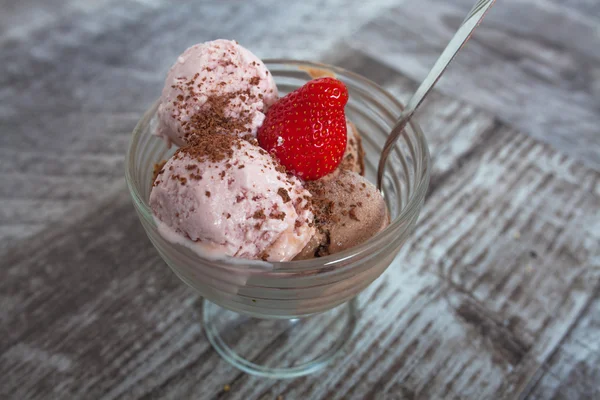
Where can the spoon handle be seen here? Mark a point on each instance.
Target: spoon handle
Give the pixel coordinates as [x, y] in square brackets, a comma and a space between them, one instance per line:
[461, 36]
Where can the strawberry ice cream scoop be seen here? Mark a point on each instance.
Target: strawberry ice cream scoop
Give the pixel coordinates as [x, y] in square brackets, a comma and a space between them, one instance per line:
[231, 197]
[214, 87]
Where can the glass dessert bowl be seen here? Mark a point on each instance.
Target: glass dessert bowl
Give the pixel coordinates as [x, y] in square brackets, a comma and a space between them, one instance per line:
[286, 319]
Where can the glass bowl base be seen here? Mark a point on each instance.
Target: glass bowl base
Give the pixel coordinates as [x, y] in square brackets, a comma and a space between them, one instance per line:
[279, 348]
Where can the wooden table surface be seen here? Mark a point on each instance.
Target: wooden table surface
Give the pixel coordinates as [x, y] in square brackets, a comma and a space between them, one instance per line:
[495, 296]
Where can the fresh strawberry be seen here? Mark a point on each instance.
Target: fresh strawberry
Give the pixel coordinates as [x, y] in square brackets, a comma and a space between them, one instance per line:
[306, 130]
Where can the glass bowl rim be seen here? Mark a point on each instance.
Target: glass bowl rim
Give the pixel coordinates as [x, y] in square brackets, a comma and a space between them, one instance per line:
[301, 267]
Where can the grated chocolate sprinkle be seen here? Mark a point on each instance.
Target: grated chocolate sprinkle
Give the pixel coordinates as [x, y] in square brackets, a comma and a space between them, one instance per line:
[158, 170]
[260, 214]
[211, 119]
[212, 148]
[280, 216]
[284, 194]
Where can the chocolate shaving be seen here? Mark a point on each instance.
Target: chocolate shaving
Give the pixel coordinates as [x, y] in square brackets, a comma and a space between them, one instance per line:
[280, 216]
[260, 214]
[212, 148]
[158, 170]
[284, 194]
[211, 118]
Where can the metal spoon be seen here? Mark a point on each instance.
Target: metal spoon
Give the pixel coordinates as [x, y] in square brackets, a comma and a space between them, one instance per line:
[460, 38]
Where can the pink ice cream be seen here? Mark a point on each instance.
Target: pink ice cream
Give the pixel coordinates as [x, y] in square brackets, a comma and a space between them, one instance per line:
[218, 81]
[232, 197]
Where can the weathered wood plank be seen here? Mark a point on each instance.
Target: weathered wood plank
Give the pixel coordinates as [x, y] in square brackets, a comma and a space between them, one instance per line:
[572, 372]
[503, 262]
[582, 7]
[453, 316]
[94, 322]
[518, 65]
[41, 183]
[20, 18]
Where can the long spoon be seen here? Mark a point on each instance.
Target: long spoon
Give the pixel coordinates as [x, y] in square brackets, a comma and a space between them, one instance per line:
[460, 38]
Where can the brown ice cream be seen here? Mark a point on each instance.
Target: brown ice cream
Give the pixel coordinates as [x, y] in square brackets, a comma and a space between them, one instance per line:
[353, 159]
[348, 210]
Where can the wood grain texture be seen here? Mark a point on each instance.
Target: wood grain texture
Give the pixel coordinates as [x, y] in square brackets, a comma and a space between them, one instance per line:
[582, 7]
[20, 18]
[454, 316]
[535, 65]
[572, 371]
[495, 296]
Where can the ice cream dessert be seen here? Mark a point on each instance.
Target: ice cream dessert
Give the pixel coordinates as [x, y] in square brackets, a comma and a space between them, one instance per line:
[258, 177]
[214, 87]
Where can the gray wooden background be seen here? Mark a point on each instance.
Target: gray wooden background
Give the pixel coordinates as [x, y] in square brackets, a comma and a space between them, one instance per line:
[495, 296]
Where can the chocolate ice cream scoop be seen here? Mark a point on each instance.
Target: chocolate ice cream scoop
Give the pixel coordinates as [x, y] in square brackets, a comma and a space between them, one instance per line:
[348, 209]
